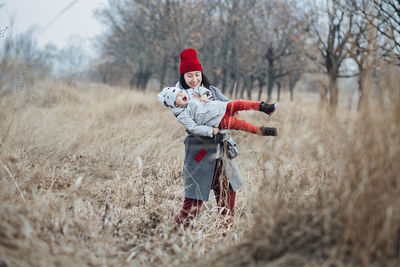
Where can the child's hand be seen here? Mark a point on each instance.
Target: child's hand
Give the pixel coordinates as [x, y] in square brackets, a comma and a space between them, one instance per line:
[204, 98]
[215, 131]
[196, 96]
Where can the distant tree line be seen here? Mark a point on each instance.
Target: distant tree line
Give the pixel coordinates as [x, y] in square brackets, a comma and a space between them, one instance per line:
[249, 46]
[20, 60]
[23, 62]
[243, 45]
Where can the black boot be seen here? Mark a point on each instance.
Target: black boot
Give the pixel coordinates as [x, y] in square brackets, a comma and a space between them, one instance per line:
[268, 108]
[268, 131]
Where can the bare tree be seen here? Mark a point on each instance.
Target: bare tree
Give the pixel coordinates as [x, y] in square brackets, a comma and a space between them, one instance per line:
[8, 62]
[384, 16]
[21, 61]
[297, 66]
[130, 40]
[240, 43]
[229, 19]
[146, 35]
[331, 42]
[363, 49]
[280, 35]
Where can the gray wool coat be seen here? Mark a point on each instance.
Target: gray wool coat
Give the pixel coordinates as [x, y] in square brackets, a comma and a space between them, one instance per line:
[201, 153]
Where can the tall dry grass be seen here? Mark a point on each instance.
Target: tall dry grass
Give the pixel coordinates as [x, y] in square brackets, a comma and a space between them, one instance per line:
[93, 176]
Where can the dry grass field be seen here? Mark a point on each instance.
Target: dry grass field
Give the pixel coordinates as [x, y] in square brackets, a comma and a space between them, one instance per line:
[92, 176]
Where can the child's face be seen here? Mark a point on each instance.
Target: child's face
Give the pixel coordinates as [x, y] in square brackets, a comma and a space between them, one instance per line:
[181, 99]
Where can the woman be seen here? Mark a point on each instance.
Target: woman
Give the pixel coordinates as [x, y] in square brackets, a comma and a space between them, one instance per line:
[206, 165]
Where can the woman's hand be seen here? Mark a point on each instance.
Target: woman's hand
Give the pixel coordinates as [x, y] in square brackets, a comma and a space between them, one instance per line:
[215, 131]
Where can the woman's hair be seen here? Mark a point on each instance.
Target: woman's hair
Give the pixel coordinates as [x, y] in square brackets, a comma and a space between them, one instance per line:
[204, 80]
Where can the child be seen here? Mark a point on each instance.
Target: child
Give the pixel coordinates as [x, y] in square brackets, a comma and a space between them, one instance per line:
[205, 117]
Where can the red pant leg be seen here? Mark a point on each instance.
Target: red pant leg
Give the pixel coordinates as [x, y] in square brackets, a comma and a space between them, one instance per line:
[229, 122]
[189, 210]
[239, 105]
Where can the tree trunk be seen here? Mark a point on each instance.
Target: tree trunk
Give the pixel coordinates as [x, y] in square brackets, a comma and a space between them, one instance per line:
[323, 93]
[364, 85]
[245, 85]
[250, 87]
[279, 91]
[292, 84]
[232, 89]
[291, 90]
[232, 83]
[271, 73]
[163, 72]
[333, 90]
[223, 86]
[132, 81]
[270, 87]
[104, 77]
[142, 80]
[260, 88]
[237, 88]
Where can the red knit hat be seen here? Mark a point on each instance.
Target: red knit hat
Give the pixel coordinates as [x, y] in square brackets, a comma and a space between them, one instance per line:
[189, 61]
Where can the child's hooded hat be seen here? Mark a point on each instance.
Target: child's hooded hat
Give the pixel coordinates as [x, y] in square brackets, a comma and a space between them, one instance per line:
[167, 96]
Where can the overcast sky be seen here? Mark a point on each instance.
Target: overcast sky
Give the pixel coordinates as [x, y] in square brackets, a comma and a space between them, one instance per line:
[56, 21]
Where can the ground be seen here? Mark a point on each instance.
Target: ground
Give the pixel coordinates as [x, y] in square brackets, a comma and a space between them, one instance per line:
[92, 175]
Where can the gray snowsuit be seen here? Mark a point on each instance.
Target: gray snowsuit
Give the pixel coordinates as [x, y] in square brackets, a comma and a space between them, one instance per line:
[198, 117]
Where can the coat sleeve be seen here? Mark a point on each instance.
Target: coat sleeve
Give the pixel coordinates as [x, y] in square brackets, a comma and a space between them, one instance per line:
[191, 126]
[219, 95]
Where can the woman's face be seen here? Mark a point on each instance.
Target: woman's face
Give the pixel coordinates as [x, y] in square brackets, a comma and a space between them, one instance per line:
[193, 78]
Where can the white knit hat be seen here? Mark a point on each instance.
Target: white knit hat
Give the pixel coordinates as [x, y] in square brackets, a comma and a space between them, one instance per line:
[168, 95]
